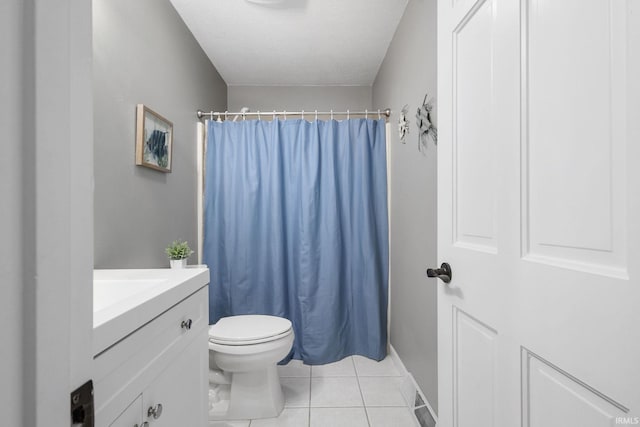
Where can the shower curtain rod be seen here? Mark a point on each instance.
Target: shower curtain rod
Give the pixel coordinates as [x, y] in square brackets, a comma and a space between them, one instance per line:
[220, 114]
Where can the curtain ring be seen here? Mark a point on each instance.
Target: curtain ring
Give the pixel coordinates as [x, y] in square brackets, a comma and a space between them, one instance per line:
[274, 114]
[379, 114]
[366, 114]
[226, 117]
[285, 114]
[244, 116]
[347, 114]
[316, 115]
[259, 115]
[302, 114]
[331, 114]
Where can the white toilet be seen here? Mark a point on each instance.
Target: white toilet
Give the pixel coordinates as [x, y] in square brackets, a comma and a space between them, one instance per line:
[243, 353]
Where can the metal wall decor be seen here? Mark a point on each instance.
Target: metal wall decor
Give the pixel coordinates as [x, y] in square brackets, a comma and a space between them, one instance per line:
[426, 128]
[403, 124]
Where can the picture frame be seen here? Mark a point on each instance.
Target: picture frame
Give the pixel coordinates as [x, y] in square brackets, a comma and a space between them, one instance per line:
[154, 140]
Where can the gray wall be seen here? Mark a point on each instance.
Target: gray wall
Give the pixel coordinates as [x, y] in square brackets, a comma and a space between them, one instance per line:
[407, 73]
[143, 53]
[295, 98]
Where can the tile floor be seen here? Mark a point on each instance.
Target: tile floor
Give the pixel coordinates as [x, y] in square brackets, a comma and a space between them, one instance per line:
[354, 392]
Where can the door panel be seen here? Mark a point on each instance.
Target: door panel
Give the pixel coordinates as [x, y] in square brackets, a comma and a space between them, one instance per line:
[538, 213]
[474, 189]
[474, 371]
[551, 397]
[574, 134]
[132, 416]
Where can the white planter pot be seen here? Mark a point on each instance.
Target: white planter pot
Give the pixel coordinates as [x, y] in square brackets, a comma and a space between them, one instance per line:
[178, 263]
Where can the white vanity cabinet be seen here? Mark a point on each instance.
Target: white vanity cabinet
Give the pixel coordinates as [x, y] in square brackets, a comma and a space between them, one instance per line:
[157, 374]
[182, 390]
[174, 398]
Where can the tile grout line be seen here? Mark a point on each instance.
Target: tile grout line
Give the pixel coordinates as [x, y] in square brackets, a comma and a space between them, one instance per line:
[355, 407]
[364, 405]
[310, 388]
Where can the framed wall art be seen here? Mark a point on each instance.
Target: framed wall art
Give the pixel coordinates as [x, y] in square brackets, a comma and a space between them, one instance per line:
[154, 139]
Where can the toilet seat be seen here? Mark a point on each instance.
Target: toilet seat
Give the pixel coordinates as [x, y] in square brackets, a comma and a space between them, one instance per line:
[248, 330]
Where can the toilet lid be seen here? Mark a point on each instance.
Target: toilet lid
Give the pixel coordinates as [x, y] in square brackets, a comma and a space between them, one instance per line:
[249, 328]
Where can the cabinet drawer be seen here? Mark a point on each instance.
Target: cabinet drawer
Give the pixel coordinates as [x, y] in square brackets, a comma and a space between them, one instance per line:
[124, 369]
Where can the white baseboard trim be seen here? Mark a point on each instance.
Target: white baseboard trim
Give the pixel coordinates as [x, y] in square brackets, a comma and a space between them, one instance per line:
[397, 361]
[409, 387]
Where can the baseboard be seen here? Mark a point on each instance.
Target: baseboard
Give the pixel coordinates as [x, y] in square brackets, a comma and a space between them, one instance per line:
[413, 395]
[397, 361]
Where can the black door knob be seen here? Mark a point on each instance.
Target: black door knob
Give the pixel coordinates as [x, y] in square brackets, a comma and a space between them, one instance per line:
[443, 273]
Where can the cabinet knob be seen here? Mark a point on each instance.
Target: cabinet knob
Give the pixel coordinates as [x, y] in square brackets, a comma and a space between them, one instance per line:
[154, 411]
[186, 324]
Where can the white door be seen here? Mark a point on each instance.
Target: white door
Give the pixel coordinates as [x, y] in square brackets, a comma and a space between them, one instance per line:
[539, 212]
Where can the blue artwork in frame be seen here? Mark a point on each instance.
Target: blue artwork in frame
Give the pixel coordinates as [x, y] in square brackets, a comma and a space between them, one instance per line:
[154, 139]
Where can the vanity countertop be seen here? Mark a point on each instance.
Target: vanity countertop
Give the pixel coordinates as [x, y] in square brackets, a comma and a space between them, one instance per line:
[125, 300]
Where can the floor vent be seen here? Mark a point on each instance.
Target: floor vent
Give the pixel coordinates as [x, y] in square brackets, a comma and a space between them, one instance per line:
[423, 415]
[417, 402]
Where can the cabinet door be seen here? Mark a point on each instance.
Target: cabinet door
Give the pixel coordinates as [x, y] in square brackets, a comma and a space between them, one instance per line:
[131, 417]
[181, 390]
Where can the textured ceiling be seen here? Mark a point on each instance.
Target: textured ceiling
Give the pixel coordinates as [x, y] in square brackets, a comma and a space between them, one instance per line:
[295, 42]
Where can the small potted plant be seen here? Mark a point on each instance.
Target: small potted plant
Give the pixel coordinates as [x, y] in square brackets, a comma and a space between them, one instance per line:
[178, 252]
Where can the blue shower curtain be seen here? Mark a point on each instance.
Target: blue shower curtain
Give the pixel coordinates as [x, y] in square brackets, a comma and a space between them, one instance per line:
[296, 226]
